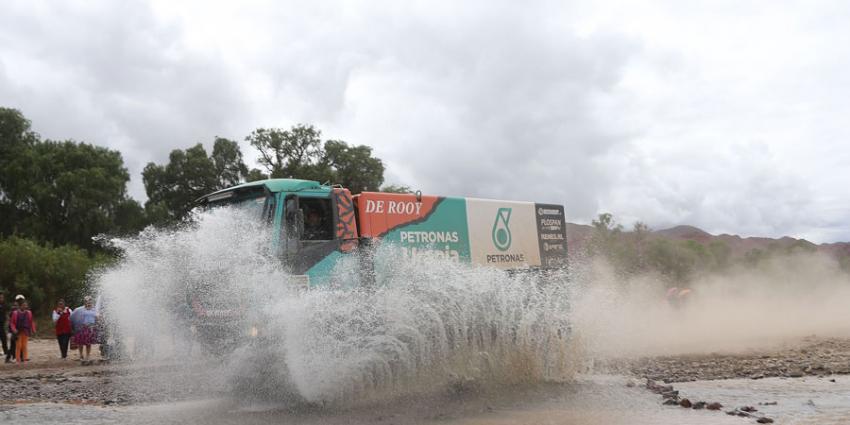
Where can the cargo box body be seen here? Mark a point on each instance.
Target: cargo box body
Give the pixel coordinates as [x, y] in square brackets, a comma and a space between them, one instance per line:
[501, 234]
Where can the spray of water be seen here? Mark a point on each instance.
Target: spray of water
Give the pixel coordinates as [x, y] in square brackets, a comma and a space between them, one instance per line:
[427, 324]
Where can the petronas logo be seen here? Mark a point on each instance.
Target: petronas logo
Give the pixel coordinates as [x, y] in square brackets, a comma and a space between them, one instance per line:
[501, 231]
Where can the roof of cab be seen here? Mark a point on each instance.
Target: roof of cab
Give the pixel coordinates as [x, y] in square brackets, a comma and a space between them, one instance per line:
[275, 185]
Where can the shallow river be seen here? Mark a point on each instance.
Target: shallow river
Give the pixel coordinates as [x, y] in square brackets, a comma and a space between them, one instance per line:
[591, 400]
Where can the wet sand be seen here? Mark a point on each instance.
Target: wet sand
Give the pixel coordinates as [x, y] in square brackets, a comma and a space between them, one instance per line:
[176, 392]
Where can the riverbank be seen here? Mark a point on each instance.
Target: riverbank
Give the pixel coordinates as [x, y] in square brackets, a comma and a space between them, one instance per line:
[48, 379]
[811, 356]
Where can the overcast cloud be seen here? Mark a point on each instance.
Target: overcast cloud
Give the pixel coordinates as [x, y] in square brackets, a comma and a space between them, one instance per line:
[732, 118]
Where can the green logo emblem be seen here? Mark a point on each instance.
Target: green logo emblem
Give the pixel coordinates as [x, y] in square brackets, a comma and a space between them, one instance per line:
[501, 231]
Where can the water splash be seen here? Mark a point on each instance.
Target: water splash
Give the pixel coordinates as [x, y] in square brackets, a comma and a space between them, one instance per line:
[428, 323]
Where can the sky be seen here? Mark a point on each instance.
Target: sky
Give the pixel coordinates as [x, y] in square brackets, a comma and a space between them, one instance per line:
[730, 116]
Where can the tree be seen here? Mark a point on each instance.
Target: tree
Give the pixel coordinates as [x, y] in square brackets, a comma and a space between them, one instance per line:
[299, 153]
[45, 273]
[394, 188]
[173, 188]
[605, 233]
[352, 166]
[16, 140]
[227, 161]
[287, 153]
[255, 175]
[61, 191]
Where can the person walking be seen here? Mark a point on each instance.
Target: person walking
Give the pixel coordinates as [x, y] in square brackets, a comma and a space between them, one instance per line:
[62, 319]
[23, 327]
[3, 314]
[84, 320]
[10, 355]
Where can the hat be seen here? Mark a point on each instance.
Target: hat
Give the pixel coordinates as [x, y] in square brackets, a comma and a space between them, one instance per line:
[19, 297]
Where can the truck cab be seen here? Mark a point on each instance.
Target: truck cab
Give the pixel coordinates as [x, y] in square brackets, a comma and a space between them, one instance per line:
[311, 224]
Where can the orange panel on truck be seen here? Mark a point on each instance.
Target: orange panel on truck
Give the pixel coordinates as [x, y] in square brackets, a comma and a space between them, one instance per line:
[382, 212]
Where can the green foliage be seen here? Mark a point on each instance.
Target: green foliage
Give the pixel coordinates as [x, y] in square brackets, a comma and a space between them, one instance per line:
[352, 166]
[45, 273]
[60, 191]
[394, 188]
[173, 188]
[640, 251]
[292, 153]
[255, 175]
[299, 153]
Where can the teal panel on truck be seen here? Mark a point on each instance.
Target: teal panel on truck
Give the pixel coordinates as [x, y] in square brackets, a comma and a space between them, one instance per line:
[443, 231]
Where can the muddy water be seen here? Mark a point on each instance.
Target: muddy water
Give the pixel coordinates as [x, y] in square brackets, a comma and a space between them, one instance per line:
[810, 400]
[590, 400]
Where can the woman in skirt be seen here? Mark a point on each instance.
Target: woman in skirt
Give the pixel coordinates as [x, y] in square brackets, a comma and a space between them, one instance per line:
[84, 319]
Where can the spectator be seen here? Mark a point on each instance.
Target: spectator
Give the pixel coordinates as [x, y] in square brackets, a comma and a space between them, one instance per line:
[84, 320]
[3, 314]
[23, 327]
[62, 319]
[12, 340]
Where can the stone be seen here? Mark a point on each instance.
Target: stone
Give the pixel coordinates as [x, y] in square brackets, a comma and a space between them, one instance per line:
[699, 405]
[670, 402]
[714, 406]
[685, 403]
[748, 409]
[764, 420]
[670, 394]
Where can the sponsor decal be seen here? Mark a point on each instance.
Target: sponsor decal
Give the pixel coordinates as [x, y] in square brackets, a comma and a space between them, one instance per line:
[383, 212]
[501, 229]
[551, 235]
[503, 234]
[441, 232]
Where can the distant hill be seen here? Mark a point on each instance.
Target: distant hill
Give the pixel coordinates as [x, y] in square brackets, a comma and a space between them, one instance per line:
[579, 234]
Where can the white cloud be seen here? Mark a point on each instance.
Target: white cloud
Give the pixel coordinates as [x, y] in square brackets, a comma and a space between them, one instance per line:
[722, 115]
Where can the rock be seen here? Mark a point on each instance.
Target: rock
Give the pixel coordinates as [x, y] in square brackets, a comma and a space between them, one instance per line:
[795, 373]
[699, 405]
[832, 380]
[685, 403]
[732, 412]
[769, 403]
[630, 383]
[670, 402]
[714, 406]
[764, 420]
[670, 394]
[748, 409]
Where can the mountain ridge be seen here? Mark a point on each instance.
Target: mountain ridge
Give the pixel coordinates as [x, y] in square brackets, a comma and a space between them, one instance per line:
[579, 234]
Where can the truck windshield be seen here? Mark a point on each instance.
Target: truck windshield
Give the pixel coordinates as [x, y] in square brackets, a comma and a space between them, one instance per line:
[257, 204]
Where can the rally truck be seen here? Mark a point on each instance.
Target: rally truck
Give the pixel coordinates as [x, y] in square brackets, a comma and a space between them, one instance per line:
[315, 225]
